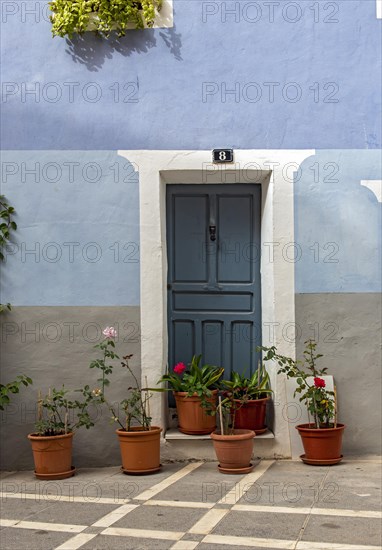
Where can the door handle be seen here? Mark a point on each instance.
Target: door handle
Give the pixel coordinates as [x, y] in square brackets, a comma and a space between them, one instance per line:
[212, 232]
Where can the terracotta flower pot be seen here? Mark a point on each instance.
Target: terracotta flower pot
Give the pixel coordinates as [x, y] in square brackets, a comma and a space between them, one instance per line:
[140, 450]
[234, 452]
[192, 418]
[52, 456]
[322, 446]
[251, 416]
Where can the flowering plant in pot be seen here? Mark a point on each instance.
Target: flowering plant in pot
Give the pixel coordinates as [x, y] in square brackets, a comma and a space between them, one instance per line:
[58, 417]
[102, 16]
[252, 394]
[322, 435]
[233, 446]
[195, 391]
[139, 440]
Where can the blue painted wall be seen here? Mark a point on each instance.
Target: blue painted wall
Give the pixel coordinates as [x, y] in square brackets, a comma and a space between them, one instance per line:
[78, 237]
[145, 91]
[207, 82]
[337, 223]
[77, 241]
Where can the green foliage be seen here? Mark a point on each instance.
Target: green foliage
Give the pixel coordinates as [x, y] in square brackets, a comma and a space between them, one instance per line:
[12, 387]
[197, 379]
[136, 405]
[319, 401]
[7, 225]
[257, 386]
[59, 415]
[74, 16]
[107, 347]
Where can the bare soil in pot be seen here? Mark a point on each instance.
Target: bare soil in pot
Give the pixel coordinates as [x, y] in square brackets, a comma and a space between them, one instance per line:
[192, 417]
[321, 445]
[52, 455]
[140, 450]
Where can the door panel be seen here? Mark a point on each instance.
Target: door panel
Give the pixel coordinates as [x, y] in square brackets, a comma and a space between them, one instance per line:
[214, 294]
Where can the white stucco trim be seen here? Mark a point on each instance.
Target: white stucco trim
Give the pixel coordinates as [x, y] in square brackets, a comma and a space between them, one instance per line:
[375, 186]
[379, 9]
[274, 171]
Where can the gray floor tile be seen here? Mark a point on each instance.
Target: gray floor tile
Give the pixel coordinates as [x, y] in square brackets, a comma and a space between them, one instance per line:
[286, 483]
[76, 513]
[163, 518]
[344, 530]
[28, 539]
[13, 508]
[261, 525]
[108, 542]
[363, 492]
[205, 484]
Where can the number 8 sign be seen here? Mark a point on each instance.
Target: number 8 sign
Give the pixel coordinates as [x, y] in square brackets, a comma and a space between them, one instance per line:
[222, 155]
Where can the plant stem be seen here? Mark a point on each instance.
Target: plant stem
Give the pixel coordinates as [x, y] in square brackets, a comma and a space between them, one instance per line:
[221, 415]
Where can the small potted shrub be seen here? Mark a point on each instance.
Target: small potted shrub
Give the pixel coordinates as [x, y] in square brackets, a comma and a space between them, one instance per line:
[195, 391]
[322, 435]
[139, 441]
[57, 419]
[252, 394]
[78, 16]
[233, 446]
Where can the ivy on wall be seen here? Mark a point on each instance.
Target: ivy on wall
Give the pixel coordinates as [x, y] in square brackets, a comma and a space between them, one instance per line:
[7, 225]
[103, 16]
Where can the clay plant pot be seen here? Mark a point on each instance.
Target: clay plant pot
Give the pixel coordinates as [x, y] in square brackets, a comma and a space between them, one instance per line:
[52, 456]
[322, 446]
[251, 416]
[234, 452]
[140, 450]
[192, 417]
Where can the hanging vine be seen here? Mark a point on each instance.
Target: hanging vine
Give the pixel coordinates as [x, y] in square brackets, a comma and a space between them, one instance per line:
[103, 16]
[7, 225]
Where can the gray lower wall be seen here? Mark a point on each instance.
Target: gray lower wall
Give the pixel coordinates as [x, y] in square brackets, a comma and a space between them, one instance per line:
[347, 328]
[54, 346]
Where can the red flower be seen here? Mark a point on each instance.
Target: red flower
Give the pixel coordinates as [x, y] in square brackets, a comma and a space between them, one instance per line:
[180, 368]
[319, 383]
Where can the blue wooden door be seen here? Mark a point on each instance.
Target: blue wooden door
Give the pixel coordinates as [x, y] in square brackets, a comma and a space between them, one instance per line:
[214, 294]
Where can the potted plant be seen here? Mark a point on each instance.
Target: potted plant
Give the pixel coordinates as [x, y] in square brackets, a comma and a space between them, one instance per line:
[321, 437]
[57, 419]
[252, 394]
[195, 394]
[139, 440]
[78, 16]
[233, 446]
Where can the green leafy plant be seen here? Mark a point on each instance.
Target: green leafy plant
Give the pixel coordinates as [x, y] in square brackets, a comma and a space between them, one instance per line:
[196, 379]
[12, 387]
[319, 401]
[136, 406]
[7, 225]
[104, 16]
[59, 415]
[256, 386]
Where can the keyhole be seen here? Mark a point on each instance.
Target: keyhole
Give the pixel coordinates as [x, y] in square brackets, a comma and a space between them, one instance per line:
[213, 232]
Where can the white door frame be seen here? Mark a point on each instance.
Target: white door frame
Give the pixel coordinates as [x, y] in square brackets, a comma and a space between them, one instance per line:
[274, 171]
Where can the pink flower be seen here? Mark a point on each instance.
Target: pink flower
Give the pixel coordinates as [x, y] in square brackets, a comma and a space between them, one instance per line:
[110, 332]
[319, 383]
[180, 368]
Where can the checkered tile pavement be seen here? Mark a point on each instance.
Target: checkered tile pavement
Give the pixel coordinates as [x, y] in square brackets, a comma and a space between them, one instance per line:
[279, 505]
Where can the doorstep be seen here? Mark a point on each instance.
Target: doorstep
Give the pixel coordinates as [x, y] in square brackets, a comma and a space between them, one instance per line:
[174, 434]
